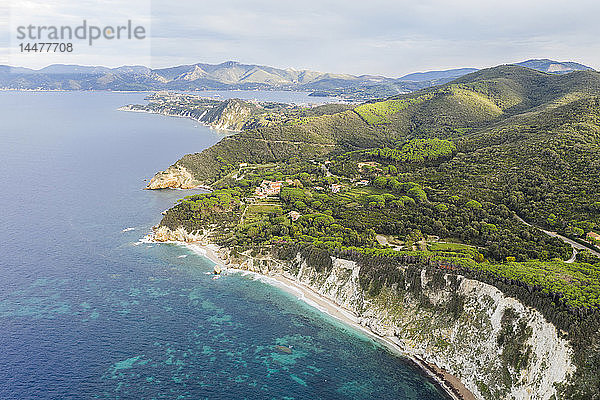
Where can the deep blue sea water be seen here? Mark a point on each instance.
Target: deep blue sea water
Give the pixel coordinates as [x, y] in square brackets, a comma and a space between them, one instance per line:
[88, 312]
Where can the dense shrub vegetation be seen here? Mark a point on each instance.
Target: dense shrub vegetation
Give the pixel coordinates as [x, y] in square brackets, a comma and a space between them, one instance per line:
[416, 150]
[437, 180]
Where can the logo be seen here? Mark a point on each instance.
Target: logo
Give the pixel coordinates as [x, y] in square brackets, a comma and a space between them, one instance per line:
[85, 31]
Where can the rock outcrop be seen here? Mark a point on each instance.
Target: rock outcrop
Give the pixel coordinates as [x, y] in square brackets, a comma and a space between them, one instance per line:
[164, 234]
[230, 114]
[176, 176]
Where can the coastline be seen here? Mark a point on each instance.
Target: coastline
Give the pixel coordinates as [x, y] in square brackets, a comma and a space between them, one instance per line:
[451, 385]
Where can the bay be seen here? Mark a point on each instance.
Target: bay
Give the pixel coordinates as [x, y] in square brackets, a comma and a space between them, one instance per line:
[87, 311]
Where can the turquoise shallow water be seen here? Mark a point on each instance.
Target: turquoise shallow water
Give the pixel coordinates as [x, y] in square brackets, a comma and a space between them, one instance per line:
[86, 311]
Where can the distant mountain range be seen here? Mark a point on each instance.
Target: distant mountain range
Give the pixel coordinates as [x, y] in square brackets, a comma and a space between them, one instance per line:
[554, 67]
[437, 75]
[234, 75]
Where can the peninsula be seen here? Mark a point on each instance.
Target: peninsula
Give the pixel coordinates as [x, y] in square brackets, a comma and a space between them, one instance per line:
[231, 114]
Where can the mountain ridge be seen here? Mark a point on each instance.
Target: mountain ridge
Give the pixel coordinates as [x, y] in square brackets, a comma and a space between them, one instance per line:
[236, 75]
[475, 102]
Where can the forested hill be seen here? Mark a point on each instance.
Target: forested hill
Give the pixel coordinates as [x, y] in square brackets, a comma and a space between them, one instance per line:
[486, 104]
[525, 138]
[464, 169]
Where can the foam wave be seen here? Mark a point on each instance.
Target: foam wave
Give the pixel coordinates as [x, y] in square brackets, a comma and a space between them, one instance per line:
[314, 304]
[194, 248]
[146, 239]
[284, 286]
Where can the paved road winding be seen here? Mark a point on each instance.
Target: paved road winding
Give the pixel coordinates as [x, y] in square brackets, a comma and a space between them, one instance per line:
[576, 246]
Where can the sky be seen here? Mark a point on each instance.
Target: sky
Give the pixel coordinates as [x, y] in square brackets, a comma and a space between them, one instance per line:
[379, 37]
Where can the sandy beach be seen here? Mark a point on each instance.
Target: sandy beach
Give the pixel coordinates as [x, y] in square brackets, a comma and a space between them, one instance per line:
[448, 382]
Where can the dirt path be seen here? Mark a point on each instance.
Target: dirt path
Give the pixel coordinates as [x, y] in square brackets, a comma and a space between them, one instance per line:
[381, 239]
[292, 142]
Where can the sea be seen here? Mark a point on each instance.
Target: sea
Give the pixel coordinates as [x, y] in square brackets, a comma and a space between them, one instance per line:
[89, 311]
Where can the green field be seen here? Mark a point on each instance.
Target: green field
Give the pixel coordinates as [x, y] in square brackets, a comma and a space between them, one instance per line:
[442, 246]
[380, 112]
[257, 212]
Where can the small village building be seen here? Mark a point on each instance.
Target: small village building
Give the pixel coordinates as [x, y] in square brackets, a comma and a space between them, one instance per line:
[593, 237]
[371, 164]
[335, 188]
[294, 215]
[363, 182]
[268, 188]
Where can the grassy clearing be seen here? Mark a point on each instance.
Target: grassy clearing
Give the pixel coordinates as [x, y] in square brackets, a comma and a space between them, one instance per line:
[259, 211]
[356, 193]
[438, 246]
[379, 112]
[262, 208]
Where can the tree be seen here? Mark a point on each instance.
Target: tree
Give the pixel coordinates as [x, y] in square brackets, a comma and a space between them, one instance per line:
[380, 182]
[300, 205]
[474, 204]
[418, 194]
[394, 185]
[441, 207]
[407, 201]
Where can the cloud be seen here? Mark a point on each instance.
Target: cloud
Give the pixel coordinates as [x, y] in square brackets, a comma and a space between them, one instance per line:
[376, 37]
[58, 13]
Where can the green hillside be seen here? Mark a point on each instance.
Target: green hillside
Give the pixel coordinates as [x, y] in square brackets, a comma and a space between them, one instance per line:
[442, 178]
[510, 136]
[477, 104]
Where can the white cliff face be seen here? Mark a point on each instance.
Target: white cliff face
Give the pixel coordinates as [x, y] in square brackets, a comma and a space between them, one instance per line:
[463, 343]
[176, 176]
[340, 285]
[550, 360]
[164, 234]
[466, 346]
[231, 114]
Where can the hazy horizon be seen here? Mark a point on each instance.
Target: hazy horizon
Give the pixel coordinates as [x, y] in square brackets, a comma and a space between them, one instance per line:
[284, 68]
[388, 38]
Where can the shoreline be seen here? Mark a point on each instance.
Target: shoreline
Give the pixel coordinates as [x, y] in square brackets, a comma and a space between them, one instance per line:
[450, 384]
[227, 130]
